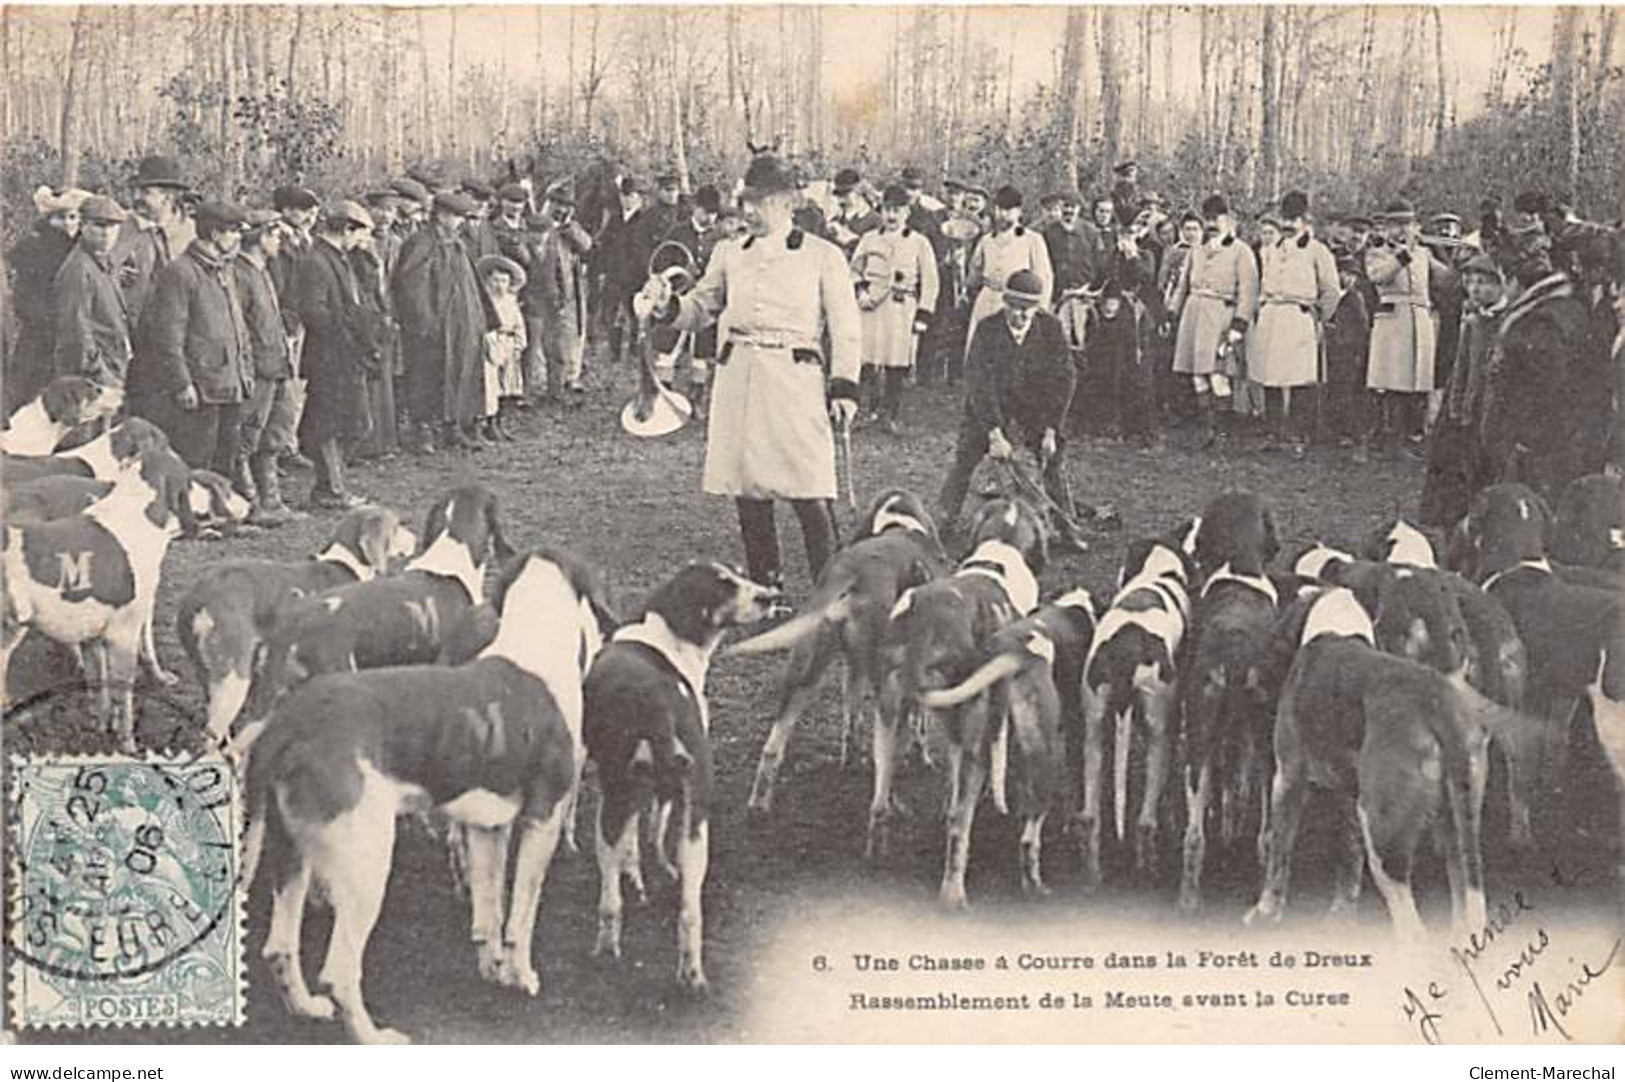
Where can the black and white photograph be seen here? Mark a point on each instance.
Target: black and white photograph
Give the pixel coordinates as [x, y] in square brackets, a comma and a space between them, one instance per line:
[747, 524]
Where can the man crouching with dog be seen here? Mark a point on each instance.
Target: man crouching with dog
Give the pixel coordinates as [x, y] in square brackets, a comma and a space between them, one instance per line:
[773, 295]
[1020, 381]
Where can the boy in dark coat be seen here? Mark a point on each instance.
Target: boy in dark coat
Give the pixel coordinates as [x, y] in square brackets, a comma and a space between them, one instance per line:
[271, 415]
[1116, 364]
[1456, 468]
[1348, 341]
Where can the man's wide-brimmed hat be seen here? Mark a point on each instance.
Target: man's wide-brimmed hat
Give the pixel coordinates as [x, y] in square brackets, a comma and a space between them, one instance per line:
[1023, 289]
[459, 203]
[347, 212]
[158, 171]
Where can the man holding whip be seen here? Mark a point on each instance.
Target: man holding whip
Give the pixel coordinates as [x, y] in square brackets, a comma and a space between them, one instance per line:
[774, 417]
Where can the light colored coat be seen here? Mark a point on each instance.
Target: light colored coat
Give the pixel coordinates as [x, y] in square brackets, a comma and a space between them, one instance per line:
[1404, 327]
[998, 255]
[769, 434]
[907, 289]
[1217, 287]
[1297, 292]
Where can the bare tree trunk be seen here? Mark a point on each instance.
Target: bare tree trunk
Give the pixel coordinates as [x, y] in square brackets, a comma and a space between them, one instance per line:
[1142, 105]
[229, 18]
[1441, 102]
[1165, 114]
[1600, 73]
[1361, 142]
[1111, 106]
[1204, 61]
[294, 41]
[453, 112]
[1505, 38]
[1566, 87]
[68, 127]
[1064, 133]
[589, 92]
[1269, 150]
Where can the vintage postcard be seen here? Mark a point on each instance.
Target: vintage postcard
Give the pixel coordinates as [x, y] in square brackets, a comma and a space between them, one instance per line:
[812, 524]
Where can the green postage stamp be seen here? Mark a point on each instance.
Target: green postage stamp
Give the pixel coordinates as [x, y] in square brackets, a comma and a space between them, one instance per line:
[125, 907]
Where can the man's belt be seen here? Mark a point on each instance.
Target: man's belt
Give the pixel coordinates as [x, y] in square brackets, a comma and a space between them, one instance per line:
[1214, 295]
[1306, 307]
[1388, 308]
[800, 354]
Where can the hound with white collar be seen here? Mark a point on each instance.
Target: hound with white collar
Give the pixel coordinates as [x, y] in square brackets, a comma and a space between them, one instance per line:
[223, 619]
[1401, 543]
[66, 403]
[1400, 746]
[1588, 526]
[397, 620]
[897, 548]
[1129, 678]
[92, 579]
[647, 729]
[489, 744]
[102, 458]
[935, 640]
[1034, 669]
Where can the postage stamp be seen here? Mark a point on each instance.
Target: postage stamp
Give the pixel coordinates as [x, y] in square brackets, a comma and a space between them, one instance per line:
[126, 908]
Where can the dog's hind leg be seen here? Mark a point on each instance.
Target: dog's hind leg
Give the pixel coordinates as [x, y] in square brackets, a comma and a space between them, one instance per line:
[1350, 855]
[1032, 844]
[615, 857]
[1198, 796]
[1158, 704]
[1288, 794]
[352, 861]
[538, 838]
[283, 938]
[149, 658]
[793, 702]
[969, 768]
[1094, 756]
[487, 877]
[120, 649]
[885, 764]
[693, 858]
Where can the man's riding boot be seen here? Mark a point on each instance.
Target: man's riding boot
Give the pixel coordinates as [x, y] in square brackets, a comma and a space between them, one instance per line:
[1205, 433]
[269, 509]
[242, 478]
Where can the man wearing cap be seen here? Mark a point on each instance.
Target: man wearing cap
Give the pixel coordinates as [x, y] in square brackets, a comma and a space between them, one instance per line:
[700, 233]
[1007, 248]
[854, 215]
[1456, 467]
[555, 298]
[343, 347]
[32, 264]
[443, 319]
[192, 370]
[91, 329]
[1404, 331]
[479, 234]
[1075, 253]
[1298, 292]
[1019, 384]
[1126, 192]
[372, 257]
[147, 239]
[776, 297]
[270, 416]
[1216, 299]
[895, 272]
[925, 213]
[621, 258]
[509, 223]
[1549, 397]
[415, 200]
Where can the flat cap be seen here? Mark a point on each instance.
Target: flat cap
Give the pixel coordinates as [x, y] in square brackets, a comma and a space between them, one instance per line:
[460, 203]
[767, 174]
[158, 171]
[1398, 210]
[347, 212]
[259, 218]
[1294, 205]
[513, 193]
[409, 188]
[1215, 205]
[101, 208]
[631, 185]
[293, 197]
[668, 178]
[1124, 168]
[895, 195]
[1483, 263]
[912, 177]
[846, 180]
[562, 191]
[219, 212]
[478, 188]
[707, 198]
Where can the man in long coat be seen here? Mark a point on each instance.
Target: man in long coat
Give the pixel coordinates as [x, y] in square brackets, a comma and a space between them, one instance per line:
[1009, 247]
[896, 281]
[343, 345]
[1404, 326]
[1216, 299]
[1298, 292]
[555, 298]
[443, 320]
[92, 335]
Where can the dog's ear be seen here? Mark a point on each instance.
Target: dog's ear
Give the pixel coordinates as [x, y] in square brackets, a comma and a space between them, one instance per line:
[1547, 523]
[373, 533]
[1272, 539]
[1041, 531]
[500, 548]
[436, 522]
[1461, 547]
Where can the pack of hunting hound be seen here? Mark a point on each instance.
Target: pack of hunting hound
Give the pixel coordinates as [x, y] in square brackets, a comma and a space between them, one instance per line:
[1220, 681]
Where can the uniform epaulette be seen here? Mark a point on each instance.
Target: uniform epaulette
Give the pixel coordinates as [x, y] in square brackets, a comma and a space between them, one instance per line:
[1227, 242]
[793, 241]
[907, 232]
[1021, 231]
[748, 242]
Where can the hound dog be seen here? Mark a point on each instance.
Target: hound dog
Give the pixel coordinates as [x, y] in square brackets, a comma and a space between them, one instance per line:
[1588, 526]
[1400, 543]
[647, 728]
[1236, 529]
[1034, 670]
[66, 403]
[1228, 694]
[396, 620]
[1401, 746]
[1129, 679]
[1572, 632]
[92, 578]
[224, 619]
[102, 458]
[934, 639]
[897, 548]
[489, 744]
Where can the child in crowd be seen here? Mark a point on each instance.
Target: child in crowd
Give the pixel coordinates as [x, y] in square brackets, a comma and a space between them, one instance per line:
[504, 346]
[1115, 358]
[1348, 340]
[1456, 463]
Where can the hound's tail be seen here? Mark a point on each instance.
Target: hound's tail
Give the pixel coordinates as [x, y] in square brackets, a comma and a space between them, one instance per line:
[259, 801]
[1466, 814]
[801, 626]
[996, 669]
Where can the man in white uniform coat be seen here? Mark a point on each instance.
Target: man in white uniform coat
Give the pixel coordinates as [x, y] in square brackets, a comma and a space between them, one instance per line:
[895, 274]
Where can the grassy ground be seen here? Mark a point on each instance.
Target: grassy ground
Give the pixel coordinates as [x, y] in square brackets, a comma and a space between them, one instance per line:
[637, 510]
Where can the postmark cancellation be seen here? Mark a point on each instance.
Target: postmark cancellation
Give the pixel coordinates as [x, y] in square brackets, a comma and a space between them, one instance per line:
[125, 904]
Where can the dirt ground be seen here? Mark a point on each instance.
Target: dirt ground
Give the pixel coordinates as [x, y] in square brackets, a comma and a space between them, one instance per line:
[636, 509]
